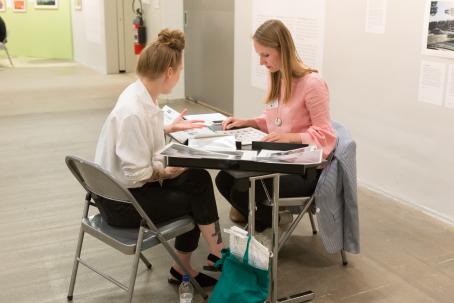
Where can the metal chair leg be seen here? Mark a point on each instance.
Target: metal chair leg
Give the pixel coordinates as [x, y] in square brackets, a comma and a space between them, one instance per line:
[314, 229]
[135, 265]
[344, 258]
[76, 264]
[145, 260]
[9, 57]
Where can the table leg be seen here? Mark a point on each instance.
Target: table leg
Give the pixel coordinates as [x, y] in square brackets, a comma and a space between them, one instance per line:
[296, 298]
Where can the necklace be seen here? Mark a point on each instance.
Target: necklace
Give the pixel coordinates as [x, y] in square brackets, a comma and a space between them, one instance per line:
[278, 121]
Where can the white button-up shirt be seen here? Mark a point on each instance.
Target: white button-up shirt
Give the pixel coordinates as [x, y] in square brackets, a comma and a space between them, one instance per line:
[131, 135]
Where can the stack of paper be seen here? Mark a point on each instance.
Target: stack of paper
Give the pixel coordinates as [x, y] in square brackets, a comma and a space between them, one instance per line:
[306, 155]
[213, 142]
[174, 149]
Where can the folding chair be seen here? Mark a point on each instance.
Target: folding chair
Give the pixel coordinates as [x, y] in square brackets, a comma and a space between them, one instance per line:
[298, 206]
[3, 40]
[130, 241]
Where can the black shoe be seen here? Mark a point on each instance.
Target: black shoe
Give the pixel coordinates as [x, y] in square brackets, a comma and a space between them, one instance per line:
[214, 259]
[202, 279]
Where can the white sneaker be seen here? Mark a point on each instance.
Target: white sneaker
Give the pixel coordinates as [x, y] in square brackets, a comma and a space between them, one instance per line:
[285, 218]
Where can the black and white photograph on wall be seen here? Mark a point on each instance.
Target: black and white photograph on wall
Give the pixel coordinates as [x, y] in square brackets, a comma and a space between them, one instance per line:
[438, 39]
[46, 4]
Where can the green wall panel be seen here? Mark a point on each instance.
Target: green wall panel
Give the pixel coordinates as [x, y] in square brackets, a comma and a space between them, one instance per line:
[41, 33]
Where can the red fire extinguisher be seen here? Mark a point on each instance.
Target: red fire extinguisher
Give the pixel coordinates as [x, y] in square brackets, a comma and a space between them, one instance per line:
[140, 32]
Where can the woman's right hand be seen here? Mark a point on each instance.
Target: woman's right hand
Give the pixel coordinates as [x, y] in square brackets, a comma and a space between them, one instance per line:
[171, 172]
[232, 122]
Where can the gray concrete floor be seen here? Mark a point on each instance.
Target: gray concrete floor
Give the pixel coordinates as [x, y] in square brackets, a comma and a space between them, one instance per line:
[50, 109]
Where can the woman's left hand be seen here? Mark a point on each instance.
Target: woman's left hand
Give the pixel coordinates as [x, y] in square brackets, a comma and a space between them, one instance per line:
[283, 138]
[181, 124]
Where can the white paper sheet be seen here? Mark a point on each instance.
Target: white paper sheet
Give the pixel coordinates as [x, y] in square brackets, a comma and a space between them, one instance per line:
[169, 114]
[431, 82]
[449, 97]
[306, 21]
[213, 143]
[376, 16]
[213, 117]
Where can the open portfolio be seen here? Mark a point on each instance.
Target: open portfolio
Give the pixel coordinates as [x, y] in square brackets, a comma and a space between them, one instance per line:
[304, 156]
[213, 128]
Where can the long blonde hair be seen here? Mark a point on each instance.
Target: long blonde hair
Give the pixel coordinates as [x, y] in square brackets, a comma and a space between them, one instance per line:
[164, 52]
[274, 34]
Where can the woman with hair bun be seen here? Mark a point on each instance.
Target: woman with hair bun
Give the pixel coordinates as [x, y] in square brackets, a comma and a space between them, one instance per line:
[131, 135]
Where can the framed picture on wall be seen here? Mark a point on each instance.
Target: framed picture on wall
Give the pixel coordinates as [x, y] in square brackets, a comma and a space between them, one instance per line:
[438, 33]
[19, 6]
[78, 4]
[46, 4]
[2, 5]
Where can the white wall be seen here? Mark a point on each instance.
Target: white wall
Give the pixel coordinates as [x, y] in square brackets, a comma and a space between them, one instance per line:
[247, 99]
[405, 147]
[168, 14]
[87, 51]
[102, 54]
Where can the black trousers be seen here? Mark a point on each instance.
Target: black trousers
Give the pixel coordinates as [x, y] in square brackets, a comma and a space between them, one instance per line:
[191, 194]
[289, 186]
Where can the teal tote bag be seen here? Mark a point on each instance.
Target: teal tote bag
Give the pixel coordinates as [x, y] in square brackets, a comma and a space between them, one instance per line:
[239, 281]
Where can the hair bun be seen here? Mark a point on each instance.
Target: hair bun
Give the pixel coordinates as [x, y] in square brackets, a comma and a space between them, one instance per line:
[172, 38]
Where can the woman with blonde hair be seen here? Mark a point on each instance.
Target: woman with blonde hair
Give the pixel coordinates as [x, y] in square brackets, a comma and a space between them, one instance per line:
[132, 134]
[296, 111]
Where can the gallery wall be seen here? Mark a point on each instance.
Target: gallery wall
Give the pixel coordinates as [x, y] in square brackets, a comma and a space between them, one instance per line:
[40, 33]
[165, 14]
[405, 147]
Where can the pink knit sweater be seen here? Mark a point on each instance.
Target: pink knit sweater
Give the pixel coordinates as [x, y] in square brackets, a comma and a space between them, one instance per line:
[306, 112]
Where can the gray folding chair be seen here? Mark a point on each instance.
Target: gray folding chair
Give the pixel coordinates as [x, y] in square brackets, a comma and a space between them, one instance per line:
[298, 206]
[130, 241]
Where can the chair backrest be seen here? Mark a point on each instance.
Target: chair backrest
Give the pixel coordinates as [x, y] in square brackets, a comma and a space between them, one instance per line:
[2, 31]
[97, 181]
[100, 182]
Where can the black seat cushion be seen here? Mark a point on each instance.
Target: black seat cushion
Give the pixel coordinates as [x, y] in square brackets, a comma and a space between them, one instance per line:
[2, 30]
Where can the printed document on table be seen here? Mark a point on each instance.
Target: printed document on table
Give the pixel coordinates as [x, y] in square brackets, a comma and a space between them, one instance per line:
[183, 151]
[179, 150]
[208, 118]
[184, 135]
[245, 135]
[213, 143]
[169, 114]
[305, 155]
